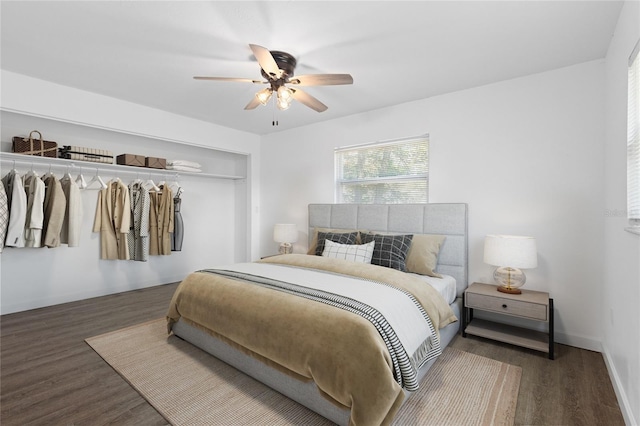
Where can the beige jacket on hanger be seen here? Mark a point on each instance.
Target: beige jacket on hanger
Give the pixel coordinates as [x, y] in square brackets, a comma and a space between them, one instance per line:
[72, 225]
[160, 221]
[112, 220]
[17, 205]
[55, 205]
[35, 189]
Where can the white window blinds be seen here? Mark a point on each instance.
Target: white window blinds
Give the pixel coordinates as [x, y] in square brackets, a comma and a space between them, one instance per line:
[383, 173]
[633, 139]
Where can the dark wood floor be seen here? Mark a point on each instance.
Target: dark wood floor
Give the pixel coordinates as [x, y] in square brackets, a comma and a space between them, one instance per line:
[573, 389]
[50, 376]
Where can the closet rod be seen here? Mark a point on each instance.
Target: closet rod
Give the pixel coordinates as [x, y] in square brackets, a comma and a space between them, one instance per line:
[92, 166]
[64, 164]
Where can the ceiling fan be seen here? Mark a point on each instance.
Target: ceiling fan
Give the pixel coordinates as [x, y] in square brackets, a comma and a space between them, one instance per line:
[277, 67]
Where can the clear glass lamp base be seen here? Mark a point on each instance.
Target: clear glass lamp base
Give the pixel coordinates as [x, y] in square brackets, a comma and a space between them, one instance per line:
[509, 279]
[285, 248]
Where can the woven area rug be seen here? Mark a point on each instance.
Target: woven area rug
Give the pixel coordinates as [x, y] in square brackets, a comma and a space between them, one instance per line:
[190, 387]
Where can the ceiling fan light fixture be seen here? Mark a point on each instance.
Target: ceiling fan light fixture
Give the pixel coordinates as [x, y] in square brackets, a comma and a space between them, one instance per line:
[264, 95]
[285, 93]
[283, 104]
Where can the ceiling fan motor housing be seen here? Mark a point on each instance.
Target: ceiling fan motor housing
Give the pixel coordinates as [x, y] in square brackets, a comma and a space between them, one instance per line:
[286, 62]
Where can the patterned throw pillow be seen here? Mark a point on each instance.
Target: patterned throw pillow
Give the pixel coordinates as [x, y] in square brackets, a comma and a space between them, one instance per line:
[342, 238]
[390, 251]
[355, 253]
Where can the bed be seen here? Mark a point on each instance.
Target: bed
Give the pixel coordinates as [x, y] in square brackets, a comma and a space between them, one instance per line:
[349, 362]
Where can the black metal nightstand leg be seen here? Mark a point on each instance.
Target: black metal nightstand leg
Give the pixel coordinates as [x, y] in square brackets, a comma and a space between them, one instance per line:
[551, 334]
[464, 318]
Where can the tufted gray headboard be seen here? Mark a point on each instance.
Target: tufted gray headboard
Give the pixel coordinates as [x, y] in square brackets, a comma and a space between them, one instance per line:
[439, 219]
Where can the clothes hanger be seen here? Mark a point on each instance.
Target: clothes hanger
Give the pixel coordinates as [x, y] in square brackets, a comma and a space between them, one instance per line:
[67, 175]
[31, 172]
[13, 173]
[137, 179]
[174, 185]
[82, 184]
[149, 185]
[49, 173]
[97, 179]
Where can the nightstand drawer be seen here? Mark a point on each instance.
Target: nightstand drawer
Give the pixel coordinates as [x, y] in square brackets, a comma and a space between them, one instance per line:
[506, 306]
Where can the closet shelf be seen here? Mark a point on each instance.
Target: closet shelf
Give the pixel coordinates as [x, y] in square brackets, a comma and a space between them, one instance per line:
[62, 163]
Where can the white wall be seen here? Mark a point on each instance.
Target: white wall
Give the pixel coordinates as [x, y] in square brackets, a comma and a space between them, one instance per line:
[620, 294]
[525, 154]
[212, 208]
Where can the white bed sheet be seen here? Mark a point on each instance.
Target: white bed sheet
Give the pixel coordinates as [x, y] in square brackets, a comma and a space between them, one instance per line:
[446, 285]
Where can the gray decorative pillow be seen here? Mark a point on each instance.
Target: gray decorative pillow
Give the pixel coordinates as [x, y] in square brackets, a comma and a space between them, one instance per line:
[390, 250]
[342, 238]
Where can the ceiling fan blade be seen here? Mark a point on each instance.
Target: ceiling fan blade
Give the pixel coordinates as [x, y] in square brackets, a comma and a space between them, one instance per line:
[321, 79]
[308, 100]
[266, 61]
[241, 80]
[253, 103]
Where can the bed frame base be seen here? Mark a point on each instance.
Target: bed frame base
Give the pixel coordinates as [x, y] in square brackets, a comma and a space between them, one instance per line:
[305, 393]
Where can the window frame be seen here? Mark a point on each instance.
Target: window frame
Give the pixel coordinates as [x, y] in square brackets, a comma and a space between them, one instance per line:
[339, 182]
[633, 141]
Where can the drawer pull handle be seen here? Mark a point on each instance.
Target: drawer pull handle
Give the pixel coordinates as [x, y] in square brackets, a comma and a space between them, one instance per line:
[504, 306]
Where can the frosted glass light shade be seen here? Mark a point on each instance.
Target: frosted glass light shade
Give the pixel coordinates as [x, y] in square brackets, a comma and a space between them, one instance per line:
[264, 95]
[285, 234]
[510, 253]
[285, 93]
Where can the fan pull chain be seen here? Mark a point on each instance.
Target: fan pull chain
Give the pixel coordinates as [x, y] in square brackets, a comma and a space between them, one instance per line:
[274, 120]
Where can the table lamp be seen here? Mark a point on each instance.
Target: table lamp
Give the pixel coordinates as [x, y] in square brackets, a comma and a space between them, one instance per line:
[285, 234]
[510, 253]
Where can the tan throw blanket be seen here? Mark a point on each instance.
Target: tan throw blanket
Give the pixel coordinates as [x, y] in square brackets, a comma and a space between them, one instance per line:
[291, 332]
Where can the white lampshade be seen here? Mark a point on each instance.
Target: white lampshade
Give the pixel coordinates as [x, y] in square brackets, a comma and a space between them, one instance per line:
[285, 233]
[510, 250]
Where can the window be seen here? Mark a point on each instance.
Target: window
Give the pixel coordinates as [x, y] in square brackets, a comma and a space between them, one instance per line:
[633, 140]
[383, 173]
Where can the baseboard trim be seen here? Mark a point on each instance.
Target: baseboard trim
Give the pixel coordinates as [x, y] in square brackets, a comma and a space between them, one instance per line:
[76, 296]
[623, 401]
[578, 341]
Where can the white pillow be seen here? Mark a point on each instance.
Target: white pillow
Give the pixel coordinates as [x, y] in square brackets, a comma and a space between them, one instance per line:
[356, 253]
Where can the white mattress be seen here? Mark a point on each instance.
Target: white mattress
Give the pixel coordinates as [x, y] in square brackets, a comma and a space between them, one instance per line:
[446, 285]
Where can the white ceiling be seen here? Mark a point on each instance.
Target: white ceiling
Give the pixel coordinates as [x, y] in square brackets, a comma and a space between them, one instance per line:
[148, 52]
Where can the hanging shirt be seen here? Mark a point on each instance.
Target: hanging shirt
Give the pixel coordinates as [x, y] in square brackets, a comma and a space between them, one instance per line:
[138, 236]
[35, 189]
[72, 224]
[160, 221]
[17, 204]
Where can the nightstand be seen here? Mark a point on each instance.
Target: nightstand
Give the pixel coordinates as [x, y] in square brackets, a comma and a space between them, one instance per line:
[531, 305]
